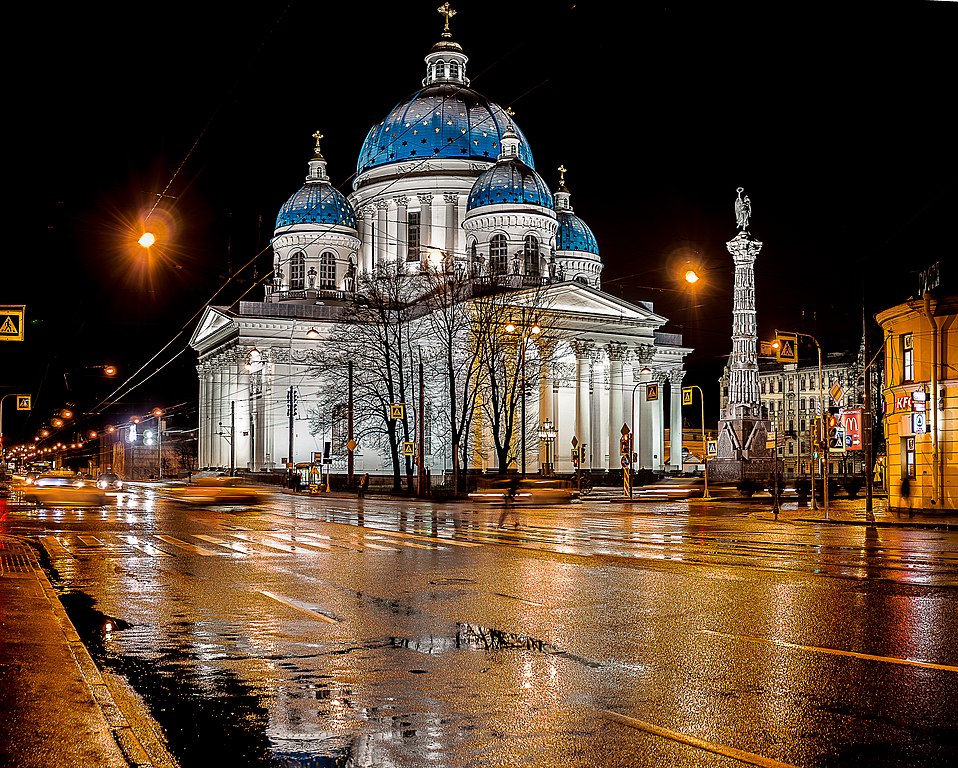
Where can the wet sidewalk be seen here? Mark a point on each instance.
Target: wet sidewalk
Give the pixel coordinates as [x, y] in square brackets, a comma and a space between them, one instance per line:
[55, 707]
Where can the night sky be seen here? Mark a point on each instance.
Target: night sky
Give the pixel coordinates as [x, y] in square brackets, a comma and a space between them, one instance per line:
[837, 124]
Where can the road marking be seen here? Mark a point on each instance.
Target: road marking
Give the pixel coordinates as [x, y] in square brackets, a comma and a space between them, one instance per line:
[693, 741]
[520, 599]
[187, 546]
[54, 547]
[295, 545]
[836, 651]
[235, 546]
[91, 541]
[403, 543]
[435, 540]
[299, 607]
[264, 541]
[299, 541]
[146, 547]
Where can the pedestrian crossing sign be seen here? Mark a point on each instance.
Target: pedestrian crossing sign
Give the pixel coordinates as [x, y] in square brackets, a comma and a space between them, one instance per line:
[397, 411]
[686, 395]
[651, 392]
[11, 322]
[23, 403]
[787, 348]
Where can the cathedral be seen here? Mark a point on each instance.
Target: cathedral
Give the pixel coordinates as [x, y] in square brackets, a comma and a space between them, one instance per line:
[446, 313]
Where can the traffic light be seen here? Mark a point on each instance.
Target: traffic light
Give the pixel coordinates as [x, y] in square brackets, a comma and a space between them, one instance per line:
[834, 434]
[575, 457]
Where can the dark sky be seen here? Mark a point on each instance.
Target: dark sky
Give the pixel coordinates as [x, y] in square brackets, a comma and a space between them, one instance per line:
[838, 124]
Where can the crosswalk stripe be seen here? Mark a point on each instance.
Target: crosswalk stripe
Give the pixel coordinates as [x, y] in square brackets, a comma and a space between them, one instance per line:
[299, 607]
[187, 546]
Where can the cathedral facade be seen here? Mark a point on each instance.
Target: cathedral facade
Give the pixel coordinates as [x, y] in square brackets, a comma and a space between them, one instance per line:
[446, 189]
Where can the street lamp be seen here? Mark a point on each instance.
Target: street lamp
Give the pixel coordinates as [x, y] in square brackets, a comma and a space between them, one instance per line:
[533, 331]
[548, 434]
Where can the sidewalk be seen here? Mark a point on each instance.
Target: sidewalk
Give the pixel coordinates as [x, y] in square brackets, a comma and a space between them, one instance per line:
[57, 711]
[55, 708]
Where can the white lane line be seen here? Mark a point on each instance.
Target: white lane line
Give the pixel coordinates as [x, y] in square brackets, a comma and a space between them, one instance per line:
[187, 546]
[694, 741]
[836, 651]
[301, 540]
[299, 607]
[91, 541]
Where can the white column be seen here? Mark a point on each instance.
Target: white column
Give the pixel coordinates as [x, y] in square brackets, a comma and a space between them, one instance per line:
[425, 219]
[382, 233]
[402, 228]
[451, 200]
[658, 423]
[583, 351]
[219, 395]
[675, 419]
[616, 353]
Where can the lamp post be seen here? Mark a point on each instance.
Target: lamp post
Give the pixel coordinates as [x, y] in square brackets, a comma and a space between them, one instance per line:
[533, 331]
[821, 410]
[637, 437]
[705, 452]
[548, 434]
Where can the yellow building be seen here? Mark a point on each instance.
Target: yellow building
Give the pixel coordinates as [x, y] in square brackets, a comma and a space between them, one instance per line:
[921, 403]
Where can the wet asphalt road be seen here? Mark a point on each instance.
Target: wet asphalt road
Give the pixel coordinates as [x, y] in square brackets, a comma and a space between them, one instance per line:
[318, 632]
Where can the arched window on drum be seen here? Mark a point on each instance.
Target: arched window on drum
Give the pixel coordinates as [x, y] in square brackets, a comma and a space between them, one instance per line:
[498, 255]
[327, 271]
[297, 271]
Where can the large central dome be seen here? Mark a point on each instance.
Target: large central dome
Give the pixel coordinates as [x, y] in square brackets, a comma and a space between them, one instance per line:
[443, 120]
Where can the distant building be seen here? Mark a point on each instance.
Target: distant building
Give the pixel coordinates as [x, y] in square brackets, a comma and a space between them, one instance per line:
[921, 402]
[793, 396]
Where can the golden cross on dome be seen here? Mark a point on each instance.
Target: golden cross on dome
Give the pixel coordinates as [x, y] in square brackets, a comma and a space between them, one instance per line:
[446, 10]
[562, 169]
[318, 136]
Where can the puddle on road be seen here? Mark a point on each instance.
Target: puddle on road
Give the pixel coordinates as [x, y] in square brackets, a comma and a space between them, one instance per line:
[198, 704]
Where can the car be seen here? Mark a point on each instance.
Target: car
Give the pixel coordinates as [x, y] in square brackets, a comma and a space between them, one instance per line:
[59, 479]
[526, 491]
[63, 489]
[109, 481]
[216, 491]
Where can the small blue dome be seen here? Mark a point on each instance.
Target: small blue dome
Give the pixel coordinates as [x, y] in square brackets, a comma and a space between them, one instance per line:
[574, 234]
[442, 120]
[316, 202]
[509, 181]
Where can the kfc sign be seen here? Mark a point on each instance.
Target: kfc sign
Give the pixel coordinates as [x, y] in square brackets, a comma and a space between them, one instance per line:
[903, 403]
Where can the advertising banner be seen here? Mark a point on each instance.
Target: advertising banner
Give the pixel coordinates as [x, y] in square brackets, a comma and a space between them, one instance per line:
[851, 420]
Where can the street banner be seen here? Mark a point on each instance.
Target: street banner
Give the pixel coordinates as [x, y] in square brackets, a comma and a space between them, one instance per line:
[851, 420]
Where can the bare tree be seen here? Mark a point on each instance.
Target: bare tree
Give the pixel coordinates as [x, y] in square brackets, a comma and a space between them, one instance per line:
[516, 338]
[374, 335]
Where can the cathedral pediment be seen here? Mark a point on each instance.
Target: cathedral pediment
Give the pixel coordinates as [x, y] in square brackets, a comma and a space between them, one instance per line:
[573, 299]
[215, 322]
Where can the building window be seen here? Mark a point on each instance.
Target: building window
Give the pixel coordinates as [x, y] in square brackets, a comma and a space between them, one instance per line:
[498, 254]
[327, 271]
[530, 256]
[297, 271]
[907, 358]
[412, 236]
[440, 68]
[454, 69]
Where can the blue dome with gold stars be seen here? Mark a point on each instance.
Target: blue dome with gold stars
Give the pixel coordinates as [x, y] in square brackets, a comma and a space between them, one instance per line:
[443, 120]
[316, 202]
[574, 234]
[509, 181]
